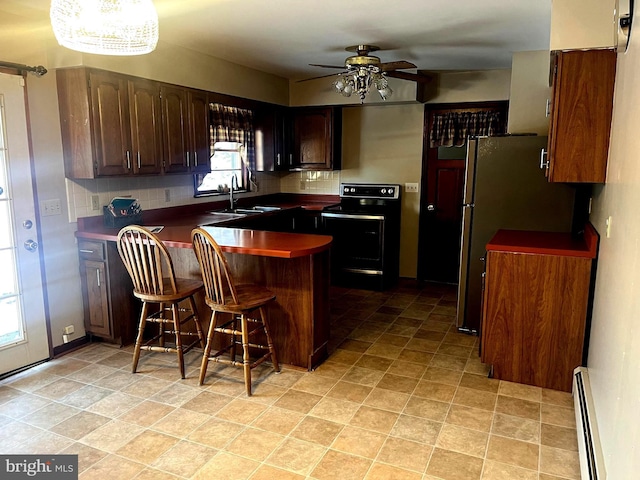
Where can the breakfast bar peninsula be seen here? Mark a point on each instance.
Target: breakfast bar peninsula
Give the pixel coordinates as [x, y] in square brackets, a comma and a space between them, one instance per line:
[294, 266]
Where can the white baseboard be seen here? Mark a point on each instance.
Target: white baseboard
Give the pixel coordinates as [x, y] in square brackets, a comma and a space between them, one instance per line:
[589, 446]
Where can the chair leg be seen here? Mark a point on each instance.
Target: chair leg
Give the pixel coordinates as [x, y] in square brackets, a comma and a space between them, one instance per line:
[207, 348]
[245, 358]
[196, 319]
[272, 350]
[178, 333]
[234, 326]
[161, 325]
[141, 325]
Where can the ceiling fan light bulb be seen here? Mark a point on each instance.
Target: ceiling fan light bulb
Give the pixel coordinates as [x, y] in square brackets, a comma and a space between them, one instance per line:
[348, 90]
[385, 92]
[339, 84]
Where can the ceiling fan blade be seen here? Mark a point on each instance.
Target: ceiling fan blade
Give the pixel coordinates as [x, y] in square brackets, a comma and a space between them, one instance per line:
[414, 77]
[399, 65]
[321, 76]
[326, 66]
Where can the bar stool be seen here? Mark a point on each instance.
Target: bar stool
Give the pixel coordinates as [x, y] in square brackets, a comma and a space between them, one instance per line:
[154, 282]
[245, 303]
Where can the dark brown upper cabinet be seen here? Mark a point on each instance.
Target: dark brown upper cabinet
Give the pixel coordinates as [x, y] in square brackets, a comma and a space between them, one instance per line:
[317, 138]
[109, 124]
[580, 116]
[185, 117]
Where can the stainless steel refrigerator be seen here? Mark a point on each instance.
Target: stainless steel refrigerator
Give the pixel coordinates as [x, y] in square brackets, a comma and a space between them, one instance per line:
[504, 189]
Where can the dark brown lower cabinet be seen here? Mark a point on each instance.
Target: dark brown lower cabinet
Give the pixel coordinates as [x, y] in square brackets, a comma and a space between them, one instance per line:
[534, 316]
[110, 310]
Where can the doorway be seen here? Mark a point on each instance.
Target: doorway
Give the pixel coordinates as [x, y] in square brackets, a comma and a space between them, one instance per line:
[23, 326]
[442, 184]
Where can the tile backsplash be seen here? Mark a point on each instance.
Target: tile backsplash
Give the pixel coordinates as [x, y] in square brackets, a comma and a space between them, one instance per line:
[173, 190]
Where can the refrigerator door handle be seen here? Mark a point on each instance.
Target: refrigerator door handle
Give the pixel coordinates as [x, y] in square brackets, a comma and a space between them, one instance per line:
[544, 159]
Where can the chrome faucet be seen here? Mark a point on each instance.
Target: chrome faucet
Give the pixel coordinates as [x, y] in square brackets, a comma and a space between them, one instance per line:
[234, 184]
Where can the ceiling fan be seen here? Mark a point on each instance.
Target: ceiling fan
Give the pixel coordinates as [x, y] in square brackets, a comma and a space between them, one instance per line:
[362, 71]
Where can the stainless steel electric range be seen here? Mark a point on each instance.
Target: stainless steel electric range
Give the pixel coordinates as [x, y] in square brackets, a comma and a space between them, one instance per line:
[365, 227]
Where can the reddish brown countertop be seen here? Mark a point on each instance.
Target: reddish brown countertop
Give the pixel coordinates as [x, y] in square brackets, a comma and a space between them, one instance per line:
[546, 243]
[179, 221]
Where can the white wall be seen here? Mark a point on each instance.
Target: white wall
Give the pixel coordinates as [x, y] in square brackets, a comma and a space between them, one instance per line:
[577, 24]
[614, 353]
[473, 86]
[529, 92]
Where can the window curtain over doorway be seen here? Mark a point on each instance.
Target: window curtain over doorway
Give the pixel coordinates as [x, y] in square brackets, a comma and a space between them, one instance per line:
[452, 128]
[233, 124]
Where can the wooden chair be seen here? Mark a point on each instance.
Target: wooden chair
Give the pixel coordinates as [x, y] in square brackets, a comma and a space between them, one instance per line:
[245, 303]
[154, 282]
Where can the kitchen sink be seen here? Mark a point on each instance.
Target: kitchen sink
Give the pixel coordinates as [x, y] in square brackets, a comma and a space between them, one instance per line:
[237, 211]
[266, 209]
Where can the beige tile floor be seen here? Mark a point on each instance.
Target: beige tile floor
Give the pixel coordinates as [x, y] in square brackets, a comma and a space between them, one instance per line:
[402, 396]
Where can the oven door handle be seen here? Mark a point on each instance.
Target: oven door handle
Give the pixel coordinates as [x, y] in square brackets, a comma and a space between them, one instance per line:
[352, 216]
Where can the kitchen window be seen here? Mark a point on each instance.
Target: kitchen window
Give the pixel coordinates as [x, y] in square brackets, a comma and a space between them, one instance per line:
[226, 162]
[232, 151]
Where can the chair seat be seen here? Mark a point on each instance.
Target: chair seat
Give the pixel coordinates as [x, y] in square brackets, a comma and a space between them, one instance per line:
[249, 297]
[185, 288]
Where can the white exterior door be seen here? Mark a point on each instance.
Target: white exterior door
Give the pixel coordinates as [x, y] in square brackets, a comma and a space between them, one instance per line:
[23, 331]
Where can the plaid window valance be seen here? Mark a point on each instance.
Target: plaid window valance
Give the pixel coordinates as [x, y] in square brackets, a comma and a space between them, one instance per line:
[452, 128]
[232, 124]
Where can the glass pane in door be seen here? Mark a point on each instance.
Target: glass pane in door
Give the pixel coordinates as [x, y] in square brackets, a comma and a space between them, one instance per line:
[11, 317]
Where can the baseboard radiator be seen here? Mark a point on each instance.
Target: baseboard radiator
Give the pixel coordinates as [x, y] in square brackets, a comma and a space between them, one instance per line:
[589, 447]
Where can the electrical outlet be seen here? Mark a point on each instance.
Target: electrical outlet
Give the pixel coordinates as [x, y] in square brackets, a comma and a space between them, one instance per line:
[167, 195]
[50, 207]
[69, 329]
[411, 187]
[95, 202]
[303, 185]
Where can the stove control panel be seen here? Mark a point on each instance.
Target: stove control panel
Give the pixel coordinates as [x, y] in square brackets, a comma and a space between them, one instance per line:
[359, 190]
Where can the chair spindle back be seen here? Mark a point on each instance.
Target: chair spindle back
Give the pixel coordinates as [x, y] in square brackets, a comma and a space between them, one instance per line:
[216, 275]
[147, 260]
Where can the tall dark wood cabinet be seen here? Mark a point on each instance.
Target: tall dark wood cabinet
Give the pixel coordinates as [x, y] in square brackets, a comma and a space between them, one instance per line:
[580, 115]
[110, 310]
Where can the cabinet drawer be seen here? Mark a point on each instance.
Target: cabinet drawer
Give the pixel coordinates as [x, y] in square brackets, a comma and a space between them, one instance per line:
[91, 250]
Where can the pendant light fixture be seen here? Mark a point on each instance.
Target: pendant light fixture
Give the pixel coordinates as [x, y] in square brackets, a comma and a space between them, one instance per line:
[105, 27]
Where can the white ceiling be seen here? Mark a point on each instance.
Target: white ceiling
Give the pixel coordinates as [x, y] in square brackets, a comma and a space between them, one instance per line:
[283, 36]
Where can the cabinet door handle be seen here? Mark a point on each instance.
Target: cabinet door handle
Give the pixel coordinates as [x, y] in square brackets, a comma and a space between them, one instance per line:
[195, 159]
[98, 276]
[544, 159]
[139, 163]
[187, 159]
[82, 250]
[278, 159]
[547, 110]
[128, 160]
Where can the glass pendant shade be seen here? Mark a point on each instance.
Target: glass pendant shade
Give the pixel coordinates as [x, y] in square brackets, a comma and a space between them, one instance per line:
[360, 80]
[105, 27]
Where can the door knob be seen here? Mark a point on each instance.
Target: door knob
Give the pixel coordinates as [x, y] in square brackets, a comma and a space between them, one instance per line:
[30, 245]
[431, 207]
[27, 224]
